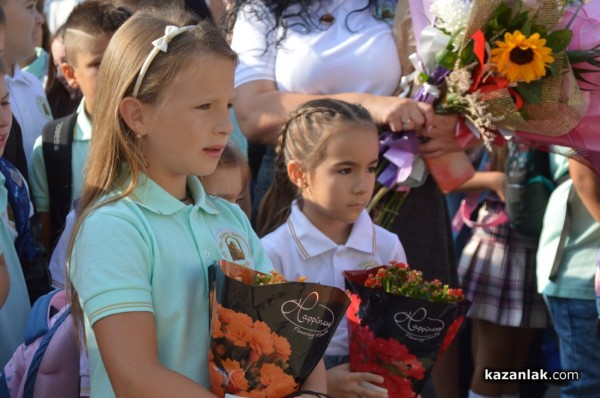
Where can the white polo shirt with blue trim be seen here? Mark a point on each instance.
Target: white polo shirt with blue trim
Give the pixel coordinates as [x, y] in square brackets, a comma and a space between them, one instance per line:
[298, 248]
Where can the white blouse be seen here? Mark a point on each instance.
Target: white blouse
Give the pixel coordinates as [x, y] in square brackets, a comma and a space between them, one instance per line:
[356, 53]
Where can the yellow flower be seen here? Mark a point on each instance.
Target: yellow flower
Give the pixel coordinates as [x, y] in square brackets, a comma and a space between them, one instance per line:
[521, 58]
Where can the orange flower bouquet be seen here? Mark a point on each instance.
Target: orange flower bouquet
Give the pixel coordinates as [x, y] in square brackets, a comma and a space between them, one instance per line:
[267, 335]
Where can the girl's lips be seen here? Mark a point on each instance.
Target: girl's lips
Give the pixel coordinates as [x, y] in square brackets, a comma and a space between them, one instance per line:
[214, 152]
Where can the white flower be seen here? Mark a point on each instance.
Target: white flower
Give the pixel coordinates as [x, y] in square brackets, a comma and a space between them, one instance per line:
[452, 16]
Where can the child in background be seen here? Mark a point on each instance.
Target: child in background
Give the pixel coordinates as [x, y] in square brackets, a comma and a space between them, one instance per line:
[14, 200]
[315, 213]
[147, 232]
[28, 99]
[88, 30]
[63, 99]
[21, 18]
[37, 63]
[231, 179]
[497, 274]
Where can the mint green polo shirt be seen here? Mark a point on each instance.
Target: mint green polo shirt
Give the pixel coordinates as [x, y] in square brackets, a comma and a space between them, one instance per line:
[150, 252]
[38, 179]
[575, 278]
[16, 308]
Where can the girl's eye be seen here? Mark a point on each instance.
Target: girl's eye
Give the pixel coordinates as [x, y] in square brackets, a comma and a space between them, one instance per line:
[203, 106]
[345, 171]
[229, 106]
[372, 169]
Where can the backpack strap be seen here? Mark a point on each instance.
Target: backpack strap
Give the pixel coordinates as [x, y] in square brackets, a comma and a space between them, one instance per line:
[32, 371]
[37, 322]
[57, 140]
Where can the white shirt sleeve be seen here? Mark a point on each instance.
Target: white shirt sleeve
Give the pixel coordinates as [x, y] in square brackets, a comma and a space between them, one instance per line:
[254, 42]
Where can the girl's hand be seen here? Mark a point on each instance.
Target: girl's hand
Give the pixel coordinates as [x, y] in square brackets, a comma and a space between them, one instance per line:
[343, 383]
[401, 114]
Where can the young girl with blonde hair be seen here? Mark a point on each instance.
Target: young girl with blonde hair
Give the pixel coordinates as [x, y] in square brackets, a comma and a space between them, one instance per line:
[147, 232]
[315, 214]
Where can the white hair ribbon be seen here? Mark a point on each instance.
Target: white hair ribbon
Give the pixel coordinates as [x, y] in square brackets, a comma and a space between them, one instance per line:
[160, 44]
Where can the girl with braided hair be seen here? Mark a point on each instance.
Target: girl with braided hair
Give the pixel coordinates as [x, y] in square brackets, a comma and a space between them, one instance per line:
[315, 218]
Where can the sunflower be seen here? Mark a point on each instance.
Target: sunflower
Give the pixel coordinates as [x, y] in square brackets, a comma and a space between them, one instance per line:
[521, 58]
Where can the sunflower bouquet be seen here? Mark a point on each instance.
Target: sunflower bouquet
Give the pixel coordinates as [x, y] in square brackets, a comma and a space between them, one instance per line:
[502, 65]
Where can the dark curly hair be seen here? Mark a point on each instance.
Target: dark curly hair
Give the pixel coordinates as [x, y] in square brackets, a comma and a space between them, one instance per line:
[279, 9]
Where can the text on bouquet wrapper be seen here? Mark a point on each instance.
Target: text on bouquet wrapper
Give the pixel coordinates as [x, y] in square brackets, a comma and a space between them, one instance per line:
[529, 374]
[303, 314]
[418, 326]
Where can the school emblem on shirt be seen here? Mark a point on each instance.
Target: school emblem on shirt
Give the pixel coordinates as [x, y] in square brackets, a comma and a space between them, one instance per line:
[368, 265]
[234, 247]
[43, 106]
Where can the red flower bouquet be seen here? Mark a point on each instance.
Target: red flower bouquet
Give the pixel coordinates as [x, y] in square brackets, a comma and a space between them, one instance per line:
[398, 324]
[267, 335]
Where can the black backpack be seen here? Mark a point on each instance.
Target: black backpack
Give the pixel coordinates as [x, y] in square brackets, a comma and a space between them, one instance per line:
[528, 188]
[57, 140]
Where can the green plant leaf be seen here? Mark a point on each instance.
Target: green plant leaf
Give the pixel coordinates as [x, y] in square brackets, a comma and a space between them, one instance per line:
[559, 40]
[531, 92]
[446, 58]
[526, 28]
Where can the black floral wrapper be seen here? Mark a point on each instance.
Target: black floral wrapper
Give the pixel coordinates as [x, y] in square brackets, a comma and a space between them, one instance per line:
[267, 339]
[396, 336]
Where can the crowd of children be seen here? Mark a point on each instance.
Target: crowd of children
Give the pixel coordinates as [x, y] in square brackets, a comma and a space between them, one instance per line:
[119, 173]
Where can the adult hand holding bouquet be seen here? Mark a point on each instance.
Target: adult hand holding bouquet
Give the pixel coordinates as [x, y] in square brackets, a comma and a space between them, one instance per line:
[267, 335]
[398, 324]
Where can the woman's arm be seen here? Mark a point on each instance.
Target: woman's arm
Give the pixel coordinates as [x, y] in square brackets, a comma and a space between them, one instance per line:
[128, 347]
[587, 184]
[261, 109]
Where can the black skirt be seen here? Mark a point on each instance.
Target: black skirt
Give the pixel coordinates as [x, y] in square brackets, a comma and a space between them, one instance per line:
[423, 227]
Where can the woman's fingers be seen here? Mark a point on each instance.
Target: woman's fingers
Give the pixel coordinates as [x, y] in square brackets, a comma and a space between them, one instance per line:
[411, 115]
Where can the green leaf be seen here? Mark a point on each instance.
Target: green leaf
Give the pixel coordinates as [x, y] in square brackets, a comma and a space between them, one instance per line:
[559, 40]
[423, 77]
[520, 21]
[531, 92]
[446, 58]
[526, 28]
[552, 69]
[467, 55]
[542, 30]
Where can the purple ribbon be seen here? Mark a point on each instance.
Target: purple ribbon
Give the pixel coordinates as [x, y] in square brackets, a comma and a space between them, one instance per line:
[399, 150]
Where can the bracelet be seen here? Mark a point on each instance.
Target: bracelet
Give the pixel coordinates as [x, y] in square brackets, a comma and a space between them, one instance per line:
[308, 392]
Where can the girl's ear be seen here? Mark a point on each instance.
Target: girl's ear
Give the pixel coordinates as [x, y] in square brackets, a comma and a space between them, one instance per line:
[296, 174]
[131, 110]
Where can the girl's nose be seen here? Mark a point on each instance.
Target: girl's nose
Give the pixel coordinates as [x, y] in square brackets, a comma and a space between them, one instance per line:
[226, 126]
[39, 18]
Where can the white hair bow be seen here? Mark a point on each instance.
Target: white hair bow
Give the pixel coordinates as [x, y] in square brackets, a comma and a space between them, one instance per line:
[160, 44]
